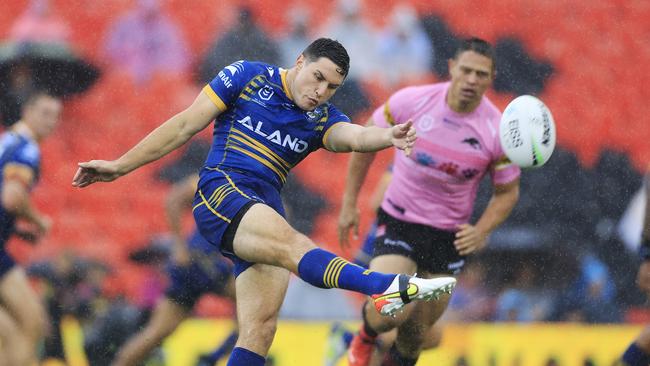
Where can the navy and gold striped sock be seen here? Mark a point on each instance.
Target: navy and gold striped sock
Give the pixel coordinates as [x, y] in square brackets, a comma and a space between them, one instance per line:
[323, 269]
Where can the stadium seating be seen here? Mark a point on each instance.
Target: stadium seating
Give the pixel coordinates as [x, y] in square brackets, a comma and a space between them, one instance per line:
[592, 95]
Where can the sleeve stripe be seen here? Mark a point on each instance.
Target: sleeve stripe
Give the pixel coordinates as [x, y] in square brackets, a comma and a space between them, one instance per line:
[214, 97]
[327, 133]
[388, 115]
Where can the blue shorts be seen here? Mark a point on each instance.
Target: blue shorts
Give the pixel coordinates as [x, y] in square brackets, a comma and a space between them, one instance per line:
[220, 196]
[6, 262]
[203, 275]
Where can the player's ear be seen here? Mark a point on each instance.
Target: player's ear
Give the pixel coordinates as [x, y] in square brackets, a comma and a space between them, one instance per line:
[450, 64]
[300, 62]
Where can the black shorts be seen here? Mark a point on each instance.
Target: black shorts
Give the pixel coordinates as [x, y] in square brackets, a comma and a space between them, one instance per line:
[431, 249]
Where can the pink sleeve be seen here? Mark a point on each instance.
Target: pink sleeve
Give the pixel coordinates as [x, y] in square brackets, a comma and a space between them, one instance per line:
[503, 170]
[395, 110]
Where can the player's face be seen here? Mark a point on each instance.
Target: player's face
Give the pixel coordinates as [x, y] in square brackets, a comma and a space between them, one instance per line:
[315, 82]
[471, 75]
[43, 115]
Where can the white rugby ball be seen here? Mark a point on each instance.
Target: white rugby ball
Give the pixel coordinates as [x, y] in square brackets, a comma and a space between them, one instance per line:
[527, 132]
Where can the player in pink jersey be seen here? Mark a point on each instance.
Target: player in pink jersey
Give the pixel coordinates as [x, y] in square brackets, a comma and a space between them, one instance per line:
[423, 221]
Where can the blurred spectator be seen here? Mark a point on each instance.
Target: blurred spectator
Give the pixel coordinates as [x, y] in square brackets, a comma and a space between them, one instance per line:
[523, 301]
[591, 297]
[404, 48]
[39, 24]
[17, 85]
[349, 27]
[295, 40]
[145, 41]
[471, 300]
[519, 72]
[72, 287]
[244, 41]
[443, 41]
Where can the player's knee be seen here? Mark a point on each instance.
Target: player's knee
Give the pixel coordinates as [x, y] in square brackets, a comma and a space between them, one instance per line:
[290, 252]
[412, 337]
[258, 332]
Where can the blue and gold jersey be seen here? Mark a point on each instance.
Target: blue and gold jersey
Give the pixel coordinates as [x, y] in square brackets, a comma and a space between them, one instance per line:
[262, 132]
[19, 156]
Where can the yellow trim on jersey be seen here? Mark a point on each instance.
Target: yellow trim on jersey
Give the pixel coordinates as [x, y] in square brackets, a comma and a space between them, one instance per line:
[502, 163]
[389, 117]
[212, 209]
[229, 181]
[327, 133]
[266, 150]
[283, 77]
[284, 170]
[214, 98]
[261, 160]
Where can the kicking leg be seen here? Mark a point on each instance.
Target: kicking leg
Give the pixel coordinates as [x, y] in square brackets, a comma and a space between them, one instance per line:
[166, 317]
[276, 243]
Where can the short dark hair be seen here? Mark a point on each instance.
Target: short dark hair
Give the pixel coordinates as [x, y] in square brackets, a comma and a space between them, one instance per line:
[477, 45]
[331, 49]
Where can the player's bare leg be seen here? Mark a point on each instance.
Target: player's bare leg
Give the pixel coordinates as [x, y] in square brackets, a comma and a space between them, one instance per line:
[363, 348]
[166, 317]
[432, 340]
[413, 325]
[260, 292]
[24, 306]
[14, 345]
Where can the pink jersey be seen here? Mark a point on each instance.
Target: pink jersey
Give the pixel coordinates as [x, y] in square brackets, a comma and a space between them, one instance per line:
[436, 185]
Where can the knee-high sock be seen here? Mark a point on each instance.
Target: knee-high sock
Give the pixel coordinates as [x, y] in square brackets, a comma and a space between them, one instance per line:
[243, 357]
[324, 269]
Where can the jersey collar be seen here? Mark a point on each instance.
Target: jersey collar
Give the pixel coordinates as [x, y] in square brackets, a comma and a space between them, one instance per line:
[285, 87]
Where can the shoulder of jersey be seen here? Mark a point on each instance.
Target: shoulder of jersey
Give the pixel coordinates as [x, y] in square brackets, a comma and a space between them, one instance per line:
[256, 67]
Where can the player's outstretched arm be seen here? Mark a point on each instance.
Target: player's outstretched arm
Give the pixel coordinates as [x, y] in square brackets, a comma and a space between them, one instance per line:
[357, 171]
[164, 139]
[346, 137]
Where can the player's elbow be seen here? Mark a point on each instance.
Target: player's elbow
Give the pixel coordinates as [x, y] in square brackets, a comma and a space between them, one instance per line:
[13, 198]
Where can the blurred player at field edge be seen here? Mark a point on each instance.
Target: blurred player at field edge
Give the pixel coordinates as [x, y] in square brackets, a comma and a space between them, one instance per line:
[23, 321]
[638, 353]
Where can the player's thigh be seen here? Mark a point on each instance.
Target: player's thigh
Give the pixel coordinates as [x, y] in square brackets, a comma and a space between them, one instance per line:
[264, 236]
[393, 263]
[260, 292]
[22, 302]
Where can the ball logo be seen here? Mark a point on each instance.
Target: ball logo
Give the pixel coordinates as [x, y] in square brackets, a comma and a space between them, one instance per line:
[513, 135]
[546, 123]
